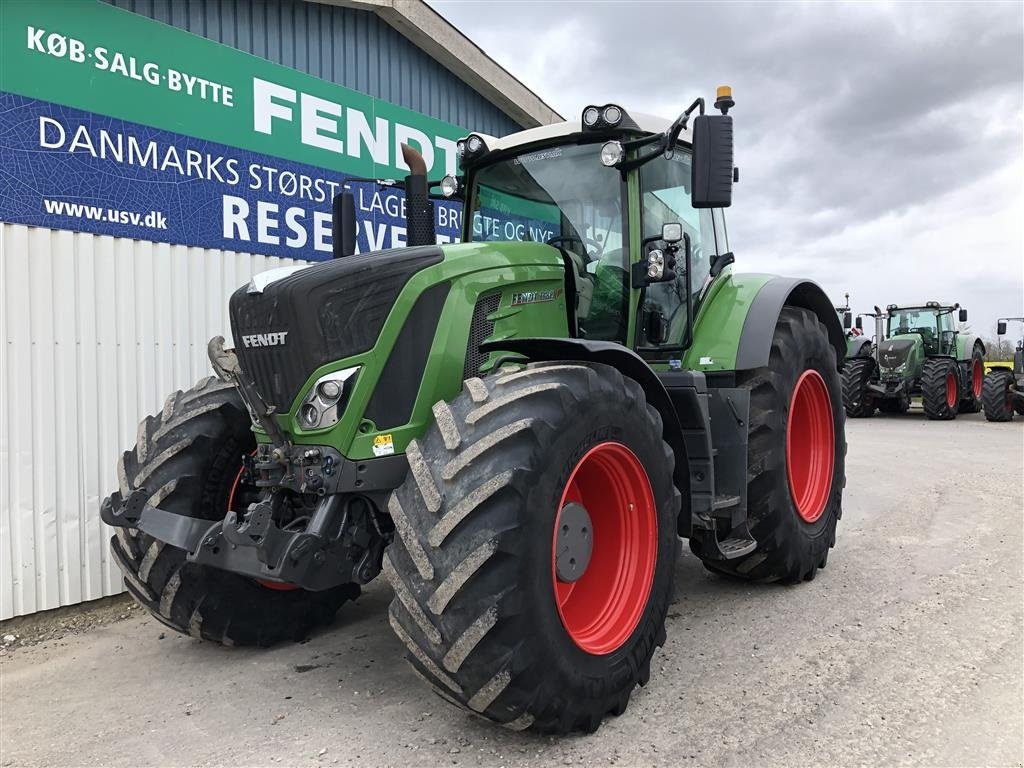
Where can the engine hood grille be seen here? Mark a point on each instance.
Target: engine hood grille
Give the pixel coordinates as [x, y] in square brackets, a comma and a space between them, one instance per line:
[318, 315]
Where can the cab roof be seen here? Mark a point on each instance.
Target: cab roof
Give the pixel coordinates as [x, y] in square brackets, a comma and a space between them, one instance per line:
[633, 122]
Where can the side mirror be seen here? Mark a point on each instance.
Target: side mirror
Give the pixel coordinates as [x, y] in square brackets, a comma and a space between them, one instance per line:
[672, 233]
[343, 225]
[860, 323]
[963, 315]
[1001, 328]
[848, 320]
[712, 171]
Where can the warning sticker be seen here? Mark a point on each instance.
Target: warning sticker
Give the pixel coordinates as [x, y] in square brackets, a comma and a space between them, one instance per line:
[383, 445]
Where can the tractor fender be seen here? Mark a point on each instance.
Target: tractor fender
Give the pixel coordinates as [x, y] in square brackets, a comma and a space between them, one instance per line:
[858, 347]
[763, 313]
[966, 345]
[628, 363]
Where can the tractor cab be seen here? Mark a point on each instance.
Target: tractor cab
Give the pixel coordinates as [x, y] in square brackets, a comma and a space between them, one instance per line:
[857, 343]
[932, 323]
[628, 202]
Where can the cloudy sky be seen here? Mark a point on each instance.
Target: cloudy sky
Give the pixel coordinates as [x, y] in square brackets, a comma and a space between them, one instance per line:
[880, 146]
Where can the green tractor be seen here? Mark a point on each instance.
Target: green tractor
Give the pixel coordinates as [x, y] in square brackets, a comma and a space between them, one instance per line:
[918, 350]
[516, 430]
[857, 344]
[1003, 390]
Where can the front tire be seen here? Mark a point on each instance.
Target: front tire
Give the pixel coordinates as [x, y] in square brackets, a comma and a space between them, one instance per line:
[795, 456]
[481, 599]
[940, 388]
[857, 399]
[189, 457]
[997, 397]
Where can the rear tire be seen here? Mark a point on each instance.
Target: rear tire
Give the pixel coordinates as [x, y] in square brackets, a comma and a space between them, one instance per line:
[188, 456]
[858, 400]
[975, 376]
[477, 602]
[793, 540]
[996, 396]
[940, 388]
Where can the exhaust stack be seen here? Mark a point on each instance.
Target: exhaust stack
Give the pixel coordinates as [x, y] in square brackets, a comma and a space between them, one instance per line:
[419, 210]
[879, 329]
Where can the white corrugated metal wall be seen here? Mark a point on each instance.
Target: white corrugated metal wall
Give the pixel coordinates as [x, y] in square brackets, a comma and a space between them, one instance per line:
[97, 332]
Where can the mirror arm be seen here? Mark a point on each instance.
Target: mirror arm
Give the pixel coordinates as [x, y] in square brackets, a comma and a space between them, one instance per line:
[643, 159]
[665, 140]
[629, 146]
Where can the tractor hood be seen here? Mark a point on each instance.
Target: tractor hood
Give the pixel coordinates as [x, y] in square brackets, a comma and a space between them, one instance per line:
[895, 352]
[287, 328]
[290, 322]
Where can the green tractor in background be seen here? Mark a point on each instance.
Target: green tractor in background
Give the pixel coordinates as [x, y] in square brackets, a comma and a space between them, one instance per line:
[857, 344]
[516, 430]
[1003, 390]
[918, 350]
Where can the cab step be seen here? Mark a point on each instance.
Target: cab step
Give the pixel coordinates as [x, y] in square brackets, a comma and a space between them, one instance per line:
[739, 544]
[725, 502]
[734, 548]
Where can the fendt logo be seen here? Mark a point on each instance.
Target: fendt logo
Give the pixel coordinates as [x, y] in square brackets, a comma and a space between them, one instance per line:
[272, 339]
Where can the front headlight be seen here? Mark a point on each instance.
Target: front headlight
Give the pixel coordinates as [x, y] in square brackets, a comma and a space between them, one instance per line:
[612, 153]
[326, 400]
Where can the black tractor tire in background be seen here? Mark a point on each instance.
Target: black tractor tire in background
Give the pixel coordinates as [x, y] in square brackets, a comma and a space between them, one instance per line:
[857, 399]
[473, 566]
[996, 396]
[973, 402]
[188, 457]
[894, 404]
[940, 388]
[790, 549]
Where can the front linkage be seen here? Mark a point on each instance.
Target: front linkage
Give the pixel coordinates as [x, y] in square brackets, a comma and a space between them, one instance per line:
[342, 538]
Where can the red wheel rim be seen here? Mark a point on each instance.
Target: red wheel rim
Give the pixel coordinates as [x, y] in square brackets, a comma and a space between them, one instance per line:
[977, 377]
[601, 609]
[278, 585]
[950, 389]
[810, 446]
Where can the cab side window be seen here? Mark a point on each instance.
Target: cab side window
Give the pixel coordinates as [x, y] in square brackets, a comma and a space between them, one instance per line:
[665, 193]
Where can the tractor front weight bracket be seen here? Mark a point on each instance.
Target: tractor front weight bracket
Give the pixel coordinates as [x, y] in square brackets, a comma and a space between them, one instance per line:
[332, 549]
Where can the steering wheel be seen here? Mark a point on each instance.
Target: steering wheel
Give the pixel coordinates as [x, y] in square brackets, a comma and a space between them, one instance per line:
[586, 242]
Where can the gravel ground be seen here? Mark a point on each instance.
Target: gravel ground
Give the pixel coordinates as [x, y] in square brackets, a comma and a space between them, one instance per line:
[907, 649]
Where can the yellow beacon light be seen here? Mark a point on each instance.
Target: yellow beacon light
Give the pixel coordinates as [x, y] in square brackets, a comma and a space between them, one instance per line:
[723, 99]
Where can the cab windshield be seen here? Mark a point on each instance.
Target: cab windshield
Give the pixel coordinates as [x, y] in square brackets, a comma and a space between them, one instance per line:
[934, 327]
[918, 320]
[565, 197]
